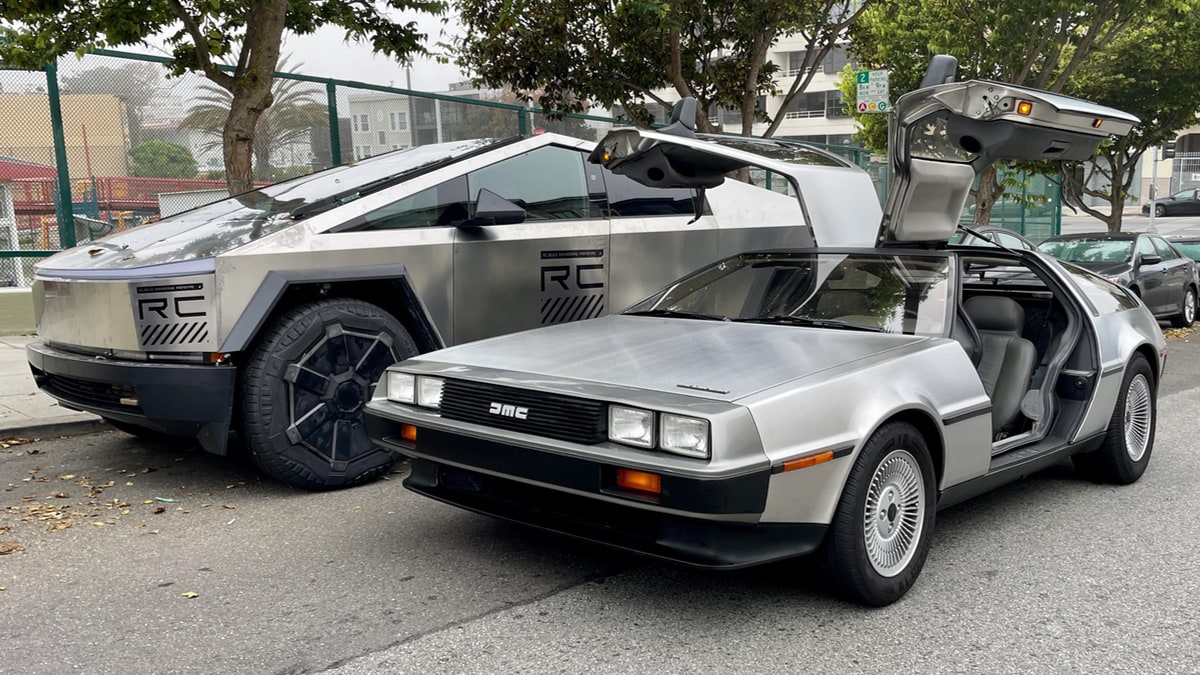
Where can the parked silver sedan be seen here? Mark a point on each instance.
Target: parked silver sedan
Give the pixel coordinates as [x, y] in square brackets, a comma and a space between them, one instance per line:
[822, 400]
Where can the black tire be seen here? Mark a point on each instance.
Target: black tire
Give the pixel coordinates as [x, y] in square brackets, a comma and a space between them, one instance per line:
[893, 468]
[1160, 210]
[140, 432]
[1125, 453]
[303, 388]
[1187, 310]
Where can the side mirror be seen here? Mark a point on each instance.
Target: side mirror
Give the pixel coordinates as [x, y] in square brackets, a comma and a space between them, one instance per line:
[1149, 259]
[492, 209]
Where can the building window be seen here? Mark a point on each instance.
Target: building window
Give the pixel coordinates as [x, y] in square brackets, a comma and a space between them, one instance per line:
[835, 60]
[806, 105]
[399, 121]
[795, 65]
[382, 139]
[362, 151]
[833, 105]
[361, 122]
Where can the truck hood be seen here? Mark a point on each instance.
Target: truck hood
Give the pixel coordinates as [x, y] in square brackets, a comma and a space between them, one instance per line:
[710, 359]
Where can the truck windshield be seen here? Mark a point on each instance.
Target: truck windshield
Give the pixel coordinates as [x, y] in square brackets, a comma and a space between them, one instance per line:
[222, 226]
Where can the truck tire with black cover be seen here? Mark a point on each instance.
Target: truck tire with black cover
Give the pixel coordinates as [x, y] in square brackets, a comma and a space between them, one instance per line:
[303, 388]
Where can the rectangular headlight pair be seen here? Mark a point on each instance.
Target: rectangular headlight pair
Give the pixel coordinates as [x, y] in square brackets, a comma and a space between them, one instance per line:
[677, 434]
[422, 390]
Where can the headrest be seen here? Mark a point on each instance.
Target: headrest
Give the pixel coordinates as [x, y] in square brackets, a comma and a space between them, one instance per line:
[993, 313]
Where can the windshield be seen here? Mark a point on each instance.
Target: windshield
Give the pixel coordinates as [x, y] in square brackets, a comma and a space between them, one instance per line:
[864, 291]
[1189, 248]
[222, 226]
[1089, 250]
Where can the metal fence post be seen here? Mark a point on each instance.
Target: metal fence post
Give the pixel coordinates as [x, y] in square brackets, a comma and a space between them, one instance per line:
[66, 212]
[335, 135]
[522, 123]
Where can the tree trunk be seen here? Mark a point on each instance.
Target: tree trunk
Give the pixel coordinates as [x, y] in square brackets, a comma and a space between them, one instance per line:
[251, 91]
[985, 197]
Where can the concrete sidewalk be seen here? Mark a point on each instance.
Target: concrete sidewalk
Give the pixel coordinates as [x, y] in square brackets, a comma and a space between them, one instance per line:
[25, 412]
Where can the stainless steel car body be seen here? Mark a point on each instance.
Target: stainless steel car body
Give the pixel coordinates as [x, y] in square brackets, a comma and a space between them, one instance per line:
[801, 365]
[153, 328]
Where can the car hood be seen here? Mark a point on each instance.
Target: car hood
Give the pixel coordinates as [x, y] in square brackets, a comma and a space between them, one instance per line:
[711, 359]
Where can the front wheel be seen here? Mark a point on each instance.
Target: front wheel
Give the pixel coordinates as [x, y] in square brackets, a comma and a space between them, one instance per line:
[881, 530]
[303, 389]
[1125, 453]
[1187, 309]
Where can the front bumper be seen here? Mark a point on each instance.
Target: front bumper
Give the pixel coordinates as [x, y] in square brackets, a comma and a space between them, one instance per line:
[194, 401]
[701, 522]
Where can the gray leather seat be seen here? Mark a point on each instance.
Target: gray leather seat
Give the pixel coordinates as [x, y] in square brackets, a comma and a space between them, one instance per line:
[1008, 359]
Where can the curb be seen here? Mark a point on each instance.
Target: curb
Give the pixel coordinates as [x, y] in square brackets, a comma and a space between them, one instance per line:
[43, 430]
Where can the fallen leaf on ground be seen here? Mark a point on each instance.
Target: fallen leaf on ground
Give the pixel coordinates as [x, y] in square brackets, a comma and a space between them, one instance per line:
[190, 594]
[10, 442]
[7, 547]
[167, 500]
[228, 506]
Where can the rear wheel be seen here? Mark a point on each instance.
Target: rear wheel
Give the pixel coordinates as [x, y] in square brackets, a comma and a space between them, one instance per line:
[881, 530]
[1125, 453]
[1187, 309]
[1160, 210]
[304, 386]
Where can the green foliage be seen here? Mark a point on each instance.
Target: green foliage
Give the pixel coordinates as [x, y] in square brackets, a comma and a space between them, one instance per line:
[1036, 43]
[570, 54]
[200, 33]
[1149, 71]
[160, 159]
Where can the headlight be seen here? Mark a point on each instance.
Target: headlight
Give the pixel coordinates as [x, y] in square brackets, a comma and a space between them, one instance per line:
[429, 391]
[684, 435]
[401, 387]
[632, 426]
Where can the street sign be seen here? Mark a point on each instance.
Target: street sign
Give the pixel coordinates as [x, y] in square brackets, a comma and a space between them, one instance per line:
[872, 91]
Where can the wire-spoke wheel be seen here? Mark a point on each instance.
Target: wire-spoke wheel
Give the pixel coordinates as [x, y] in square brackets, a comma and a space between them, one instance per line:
[1125, 453]
[880, 533]
[894, 514]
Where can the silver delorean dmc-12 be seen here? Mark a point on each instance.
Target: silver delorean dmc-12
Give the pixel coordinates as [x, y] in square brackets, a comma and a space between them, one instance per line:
[817, 400]
[268, 317]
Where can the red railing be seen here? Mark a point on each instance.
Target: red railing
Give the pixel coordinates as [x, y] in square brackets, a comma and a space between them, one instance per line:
[35, 196]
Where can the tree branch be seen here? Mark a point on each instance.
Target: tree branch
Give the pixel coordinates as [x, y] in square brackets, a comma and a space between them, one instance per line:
[203, 57]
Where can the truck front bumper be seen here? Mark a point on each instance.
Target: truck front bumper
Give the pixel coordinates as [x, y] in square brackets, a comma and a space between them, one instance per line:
[178, 399]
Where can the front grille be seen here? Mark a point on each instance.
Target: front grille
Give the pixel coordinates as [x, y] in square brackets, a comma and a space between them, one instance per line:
[565, 418]
[87, 391]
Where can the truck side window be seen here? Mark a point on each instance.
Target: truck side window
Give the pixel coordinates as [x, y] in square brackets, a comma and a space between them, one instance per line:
[441, 205]
[627, 197]
[549, 183]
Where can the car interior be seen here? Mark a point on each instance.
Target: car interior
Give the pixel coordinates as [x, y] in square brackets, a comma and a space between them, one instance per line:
[1036, 363]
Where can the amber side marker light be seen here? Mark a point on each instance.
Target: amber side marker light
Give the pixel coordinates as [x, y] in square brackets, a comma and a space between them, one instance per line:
[805, 462]
[408, 432]
[1024, 107]
[1097, 122]
[639, 481]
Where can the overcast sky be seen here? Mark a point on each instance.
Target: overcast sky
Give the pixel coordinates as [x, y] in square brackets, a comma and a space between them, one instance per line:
[327, 54]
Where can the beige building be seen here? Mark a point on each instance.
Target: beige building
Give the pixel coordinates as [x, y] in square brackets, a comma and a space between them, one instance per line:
[94, 130]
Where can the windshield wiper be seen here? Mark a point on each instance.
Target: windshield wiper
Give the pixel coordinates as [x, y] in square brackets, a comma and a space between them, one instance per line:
[810, 321]
[678, 314]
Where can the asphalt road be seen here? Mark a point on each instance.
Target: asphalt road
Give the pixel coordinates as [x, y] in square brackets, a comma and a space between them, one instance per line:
[1049, 574]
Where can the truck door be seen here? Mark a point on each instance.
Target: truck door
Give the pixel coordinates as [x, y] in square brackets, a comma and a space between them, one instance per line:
[552, 267]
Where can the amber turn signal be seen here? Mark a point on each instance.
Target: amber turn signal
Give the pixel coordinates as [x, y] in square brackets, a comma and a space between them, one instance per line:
[1024, 107]
[805, 462]
[639, 481]
[408, 432]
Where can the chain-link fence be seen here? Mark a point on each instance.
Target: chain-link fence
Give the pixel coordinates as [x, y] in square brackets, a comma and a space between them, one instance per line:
[98, 144]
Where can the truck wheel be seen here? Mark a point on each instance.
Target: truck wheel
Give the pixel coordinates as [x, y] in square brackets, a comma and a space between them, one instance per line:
[303, 389]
